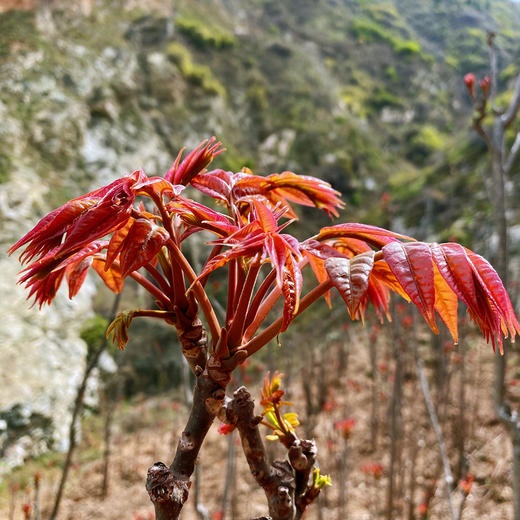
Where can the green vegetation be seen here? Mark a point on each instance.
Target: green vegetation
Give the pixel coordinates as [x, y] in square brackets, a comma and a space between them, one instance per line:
[509, 73]
[368, 31]
[407, 48]
[93, 333]
[381, 98]
[17, 27]
[5, 167]
[198, 75]
[429, 137]
[423, 142]
[204, 36]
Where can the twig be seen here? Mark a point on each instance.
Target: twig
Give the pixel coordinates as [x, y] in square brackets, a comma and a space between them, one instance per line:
[512, 110]
[200, 508]
[230, 475]
[448, 477]
[512, 154]
[285, 483]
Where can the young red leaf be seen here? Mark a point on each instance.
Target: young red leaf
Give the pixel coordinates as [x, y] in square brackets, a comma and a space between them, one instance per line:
[77, 265]
[466, 281]
[379, 295]
[76, 274]
[102, 218]
[456, 270]
[321, 250]
[216, 184]
[289, 187]
[157, 186]
[292, 282]
[306, 190]
[265, 216]
[89, 250]
[350, 277]
[247, 250]
[382, 273]
[318, 268]
[44, 289]
[49, 232]
[196, 215]
[412, 265]
[116, 242]
[194, 163]
[496, 291]
[45, 275]
[51, 229]
[143, 242]
[277, 251]
[372, 235]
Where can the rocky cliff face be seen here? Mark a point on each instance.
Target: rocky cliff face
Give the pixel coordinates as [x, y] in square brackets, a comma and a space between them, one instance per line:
[85, 97]
[58, 136]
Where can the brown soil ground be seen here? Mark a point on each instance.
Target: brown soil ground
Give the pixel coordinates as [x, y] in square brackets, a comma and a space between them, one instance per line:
[147, 431]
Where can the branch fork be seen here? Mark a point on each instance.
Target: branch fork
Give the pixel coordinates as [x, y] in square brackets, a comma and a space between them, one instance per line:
[285, 482]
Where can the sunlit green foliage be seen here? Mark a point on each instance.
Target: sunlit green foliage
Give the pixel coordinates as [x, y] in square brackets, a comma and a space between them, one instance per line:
[203, 35]
[199, 75]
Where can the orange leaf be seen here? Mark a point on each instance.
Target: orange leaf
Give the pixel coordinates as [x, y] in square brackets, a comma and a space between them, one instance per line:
[318, 268]
[382, 273]
[446, 304]
[112, 277]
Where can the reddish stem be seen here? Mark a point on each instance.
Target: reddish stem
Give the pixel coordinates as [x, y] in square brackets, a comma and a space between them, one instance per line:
[179, 287]
[163, 315]
[167, 270]
[214, 252]
[237, 325]
[198, 290]
[259, 296]
[232, 290]
[159, 278]
[152, 289]
[264, 309]
[177, 278]
[270, 332]
[266, 305]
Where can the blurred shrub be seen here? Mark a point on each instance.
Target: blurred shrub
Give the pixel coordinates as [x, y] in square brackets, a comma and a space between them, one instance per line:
[16, 26]
[198, 75]
[425, 141]
[368, 31]
[382, 98]
[93, 333]
[204, 36]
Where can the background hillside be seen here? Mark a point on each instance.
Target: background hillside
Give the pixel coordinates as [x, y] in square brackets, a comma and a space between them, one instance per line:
[365, 94]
